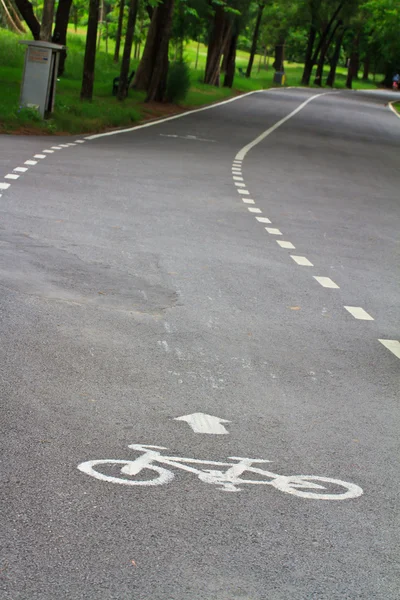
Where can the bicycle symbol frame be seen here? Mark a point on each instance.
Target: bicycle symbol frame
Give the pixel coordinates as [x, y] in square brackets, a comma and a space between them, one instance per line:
[303, 486]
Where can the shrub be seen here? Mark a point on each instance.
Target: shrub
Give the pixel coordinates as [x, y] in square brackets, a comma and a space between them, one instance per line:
[178, 82]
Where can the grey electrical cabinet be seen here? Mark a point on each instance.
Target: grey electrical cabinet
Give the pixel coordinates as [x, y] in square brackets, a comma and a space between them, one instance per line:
[39, 79]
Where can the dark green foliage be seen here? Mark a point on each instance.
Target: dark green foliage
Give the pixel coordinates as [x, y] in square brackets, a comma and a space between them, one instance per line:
[178, 83]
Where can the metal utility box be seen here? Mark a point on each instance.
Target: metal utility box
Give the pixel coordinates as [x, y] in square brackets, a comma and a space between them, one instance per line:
[40, 75]
[280, 77]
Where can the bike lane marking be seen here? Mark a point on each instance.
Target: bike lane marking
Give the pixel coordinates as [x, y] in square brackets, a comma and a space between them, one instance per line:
[203, 423]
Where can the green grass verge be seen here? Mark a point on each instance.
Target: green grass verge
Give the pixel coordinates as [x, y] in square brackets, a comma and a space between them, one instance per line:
[396, 106]
[105, 112]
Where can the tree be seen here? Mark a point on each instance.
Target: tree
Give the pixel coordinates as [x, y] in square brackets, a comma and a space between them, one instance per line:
[119, 30]
[130, 28]
[60, 30]
[382, 18]
[256, 33]
[26, 9]
[151, 75]
[90, 51]
[47, 20]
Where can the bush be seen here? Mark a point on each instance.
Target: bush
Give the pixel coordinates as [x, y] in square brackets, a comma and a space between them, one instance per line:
[178, 83]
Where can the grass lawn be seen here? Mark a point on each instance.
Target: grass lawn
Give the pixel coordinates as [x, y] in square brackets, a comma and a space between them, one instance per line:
[105, 112]
[396, 105]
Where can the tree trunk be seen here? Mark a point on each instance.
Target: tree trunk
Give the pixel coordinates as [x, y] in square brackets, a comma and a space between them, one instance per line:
[16, 17]
[90, 51]
[100, 27]
[215, 47]
[47, 20]
[367, 62]
[324, 49]
[11, 22]
[119, 30]
[308, 63]
[158, 81]
[353, 64]
[279, 56]
[231, 61]
[255, 39]
[330, 81]
[26, 10]
[146, 65]
[197, 56]
[126, 57]
[60, 30]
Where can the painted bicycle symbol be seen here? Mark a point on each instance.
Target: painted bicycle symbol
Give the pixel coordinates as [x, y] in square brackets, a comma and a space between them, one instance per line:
[145, 470]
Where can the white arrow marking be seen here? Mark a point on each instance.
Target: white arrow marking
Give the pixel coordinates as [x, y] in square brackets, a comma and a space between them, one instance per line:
[202, 423]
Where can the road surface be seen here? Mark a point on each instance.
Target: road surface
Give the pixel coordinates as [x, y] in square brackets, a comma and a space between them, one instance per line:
[179, 270]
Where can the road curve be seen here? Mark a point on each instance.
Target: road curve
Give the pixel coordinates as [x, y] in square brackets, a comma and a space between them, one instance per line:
[158, 274]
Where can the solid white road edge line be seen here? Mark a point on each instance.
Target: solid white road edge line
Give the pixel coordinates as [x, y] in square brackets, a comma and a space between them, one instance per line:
[172, 118]
[393, 109]
[242, 153]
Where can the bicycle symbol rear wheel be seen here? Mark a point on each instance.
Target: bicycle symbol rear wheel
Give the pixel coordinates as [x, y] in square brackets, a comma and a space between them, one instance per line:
[311, 486]
[90, 468]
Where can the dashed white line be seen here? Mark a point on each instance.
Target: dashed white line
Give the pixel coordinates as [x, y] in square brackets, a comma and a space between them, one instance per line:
[273, 231]
[253, 210]
[302, 261]
[64, 145]
[392, 345]
[236, 178]
[56, 148]
[20, 169]
[240, 185]
[263, 220]
[11, 176]
[4, 186]
[287, 245]
[39, 156]
[326, 282]
[80, 141]
[30, 162]
[248, 201]
[244, 192]
[359, 313]
[48, 151]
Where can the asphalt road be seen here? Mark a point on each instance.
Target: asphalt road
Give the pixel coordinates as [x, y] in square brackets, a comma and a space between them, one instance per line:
[136, 287]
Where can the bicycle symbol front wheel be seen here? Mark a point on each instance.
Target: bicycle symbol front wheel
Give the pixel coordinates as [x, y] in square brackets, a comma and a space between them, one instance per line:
[91, 467]
[317, 488]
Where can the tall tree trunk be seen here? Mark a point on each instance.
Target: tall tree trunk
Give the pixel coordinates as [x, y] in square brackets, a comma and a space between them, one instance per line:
[330, 80]
[352, 70]
[308, 63]
[12, 23]
[367, 62]
[324, 49]
[158, 81]
[197, 56]
[279, 55]
[255, 39]
[90, 51]
[26, 10]
[231, 61]
[100, 27]
[47, 20]
[215, 46]
[151, 48]
[126, 57]
[119, 30]
[60, 30]
[16, 17]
